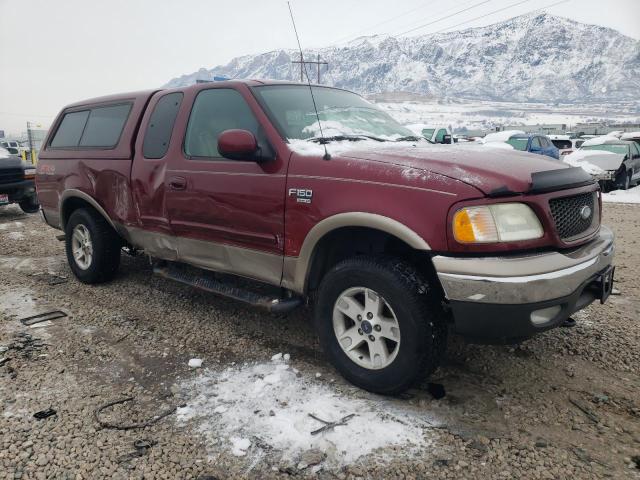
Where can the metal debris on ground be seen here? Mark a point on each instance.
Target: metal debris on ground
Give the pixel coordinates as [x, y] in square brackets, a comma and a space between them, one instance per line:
[130, 426]
[141, 449]
[42, 414]
[590, 415]
[330, 425]
[42, 317]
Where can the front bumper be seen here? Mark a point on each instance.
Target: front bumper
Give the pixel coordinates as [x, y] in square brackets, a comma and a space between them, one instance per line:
[506, 299]
[604, 176]
[18, 191]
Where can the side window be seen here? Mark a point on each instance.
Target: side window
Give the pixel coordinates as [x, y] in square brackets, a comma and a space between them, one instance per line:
[104, 126]
[214, 111]
[158, 134]
[544, 142]
[70, 130]
[440, 135]
[535, 142]
[99, 127]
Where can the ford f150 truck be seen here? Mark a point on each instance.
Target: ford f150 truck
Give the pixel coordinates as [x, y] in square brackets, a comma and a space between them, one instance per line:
[392, 240]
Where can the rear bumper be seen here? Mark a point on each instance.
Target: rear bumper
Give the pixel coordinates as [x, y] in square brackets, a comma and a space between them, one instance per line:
[504, 299]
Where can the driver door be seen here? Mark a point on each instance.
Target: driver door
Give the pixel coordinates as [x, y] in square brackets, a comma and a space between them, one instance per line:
[227, 215]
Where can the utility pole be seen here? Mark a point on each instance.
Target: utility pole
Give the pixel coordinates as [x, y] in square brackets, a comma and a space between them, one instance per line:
[302, 63]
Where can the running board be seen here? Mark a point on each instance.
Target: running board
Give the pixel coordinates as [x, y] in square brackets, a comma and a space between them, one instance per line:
[206, 281]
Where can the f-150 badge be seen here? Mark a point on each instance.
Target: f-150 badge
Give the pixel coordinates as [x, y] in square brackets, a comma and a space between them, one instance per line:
[302, 195]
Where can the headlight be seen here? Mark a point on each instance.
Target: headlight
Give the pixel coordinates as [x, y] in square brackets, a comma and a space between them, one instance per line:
[502, 222]
[29, 172]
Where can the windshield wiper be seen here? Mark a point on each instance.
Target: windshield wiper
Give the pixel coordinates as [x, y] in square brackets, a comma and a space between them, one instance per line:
[413, 138]
[339, 138]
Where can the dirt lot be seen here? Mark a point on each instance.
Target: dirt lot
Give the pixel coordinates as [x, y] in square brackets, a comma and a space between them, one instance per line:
[565, 404]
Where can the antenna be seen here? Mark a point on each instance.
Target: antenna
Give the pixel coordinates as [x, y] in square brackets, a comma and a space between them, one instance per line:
[326, 156]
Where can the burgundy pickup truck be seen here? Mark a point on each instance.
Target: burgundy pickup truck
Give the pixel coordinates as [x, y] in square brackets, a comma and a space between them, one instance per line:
[394, 241]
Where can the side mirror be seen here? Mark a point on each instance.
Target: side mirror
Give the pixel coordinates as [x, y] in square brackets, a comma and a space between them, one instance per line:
[237, 144]
[446, 139]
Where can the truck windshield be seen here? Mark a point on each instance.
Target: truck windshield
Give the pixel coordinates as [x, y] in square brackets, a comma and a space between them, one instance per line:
[621, 149]
[519, 143]
[343, 114]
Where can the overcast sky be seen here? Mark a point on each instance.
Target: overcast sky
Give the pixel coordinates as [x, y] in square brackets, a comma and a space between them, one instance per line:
[58, 51]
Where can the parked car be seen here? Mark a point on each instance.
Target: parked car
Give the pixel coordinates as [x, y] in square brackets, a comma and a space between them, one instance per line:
[392, 242]
[525, 142]
[534, 143]
[624, 173]
[633, 136]
[17, 182]
[13, 146]
[433, 133]
[565, 144]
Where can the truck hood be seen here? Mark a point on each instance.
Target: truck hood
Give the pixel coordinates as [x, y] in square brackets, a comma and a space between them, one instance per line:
[491, 170]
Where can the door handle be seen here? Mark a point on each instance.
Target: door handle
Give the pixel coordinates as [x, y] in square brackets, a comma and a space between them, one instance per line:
[178, 183]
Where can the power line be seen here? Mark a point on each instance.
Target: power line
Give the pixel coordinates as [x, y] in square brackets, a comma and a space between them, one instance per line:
[357, 34]
[445, 17]
[500, 10]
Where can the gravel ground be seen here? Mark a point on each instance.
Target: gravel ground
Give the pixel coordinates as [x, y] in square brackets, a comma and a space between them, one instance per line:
[565, 404]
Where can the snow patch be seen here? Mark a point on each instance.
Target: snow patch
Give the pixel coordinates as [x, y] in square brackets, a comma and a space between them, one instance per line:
[266, 407]
[195, 362]
[15, 235]
[623, 196]
[18, 302]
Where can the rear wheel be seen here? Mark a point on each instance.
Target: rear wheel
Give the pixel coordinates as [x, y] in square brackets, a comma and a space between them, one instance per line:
[30, 205]
[380, 323]
[92, 246]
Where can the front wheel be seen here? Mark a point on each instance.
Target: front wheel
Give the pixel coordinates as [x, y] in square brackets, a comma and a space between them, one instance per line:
[380, 323]
[92, 246]
[30, 205]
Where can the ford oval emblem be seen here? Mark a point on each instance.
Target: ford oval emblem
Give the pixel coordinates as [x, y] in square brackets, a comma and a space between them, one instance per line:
[585, 212]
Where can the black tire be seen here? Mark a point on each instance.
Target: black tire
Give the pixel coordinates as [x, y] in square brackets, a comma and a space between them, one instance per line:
[105, 242]
[622, 181]
[30, 205]
[417, 307]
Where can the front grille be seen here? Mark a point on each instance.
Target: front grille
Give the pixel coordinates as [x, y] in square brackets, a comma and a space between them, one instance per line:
[568, 212]
[10, 175]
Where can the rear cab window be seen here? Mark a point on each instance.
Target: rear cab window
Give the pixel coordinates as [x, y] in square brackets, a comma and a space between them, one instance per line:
[95, 127]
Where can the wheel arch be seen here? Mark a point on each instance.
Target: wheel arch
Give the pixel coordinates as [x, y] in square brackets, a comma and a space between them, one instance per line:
[302, 271]
[73, 199]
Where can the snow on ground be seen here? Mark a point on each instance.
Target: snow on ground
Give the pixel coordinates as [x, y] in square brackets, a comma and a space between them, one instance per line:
[5, 226]
[15, 235]
[486, 115]
[18, 302]
[255, 408]
[623, 196]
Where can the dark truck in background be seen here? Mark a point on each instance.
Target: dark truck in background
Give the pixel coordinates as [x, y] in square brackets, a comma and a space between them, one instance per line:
[393, 240]
[17, 184]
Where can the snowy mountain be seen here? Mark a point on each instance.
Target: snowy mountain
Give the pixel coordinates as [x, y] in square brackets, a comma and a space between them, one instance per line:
[536, 57]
